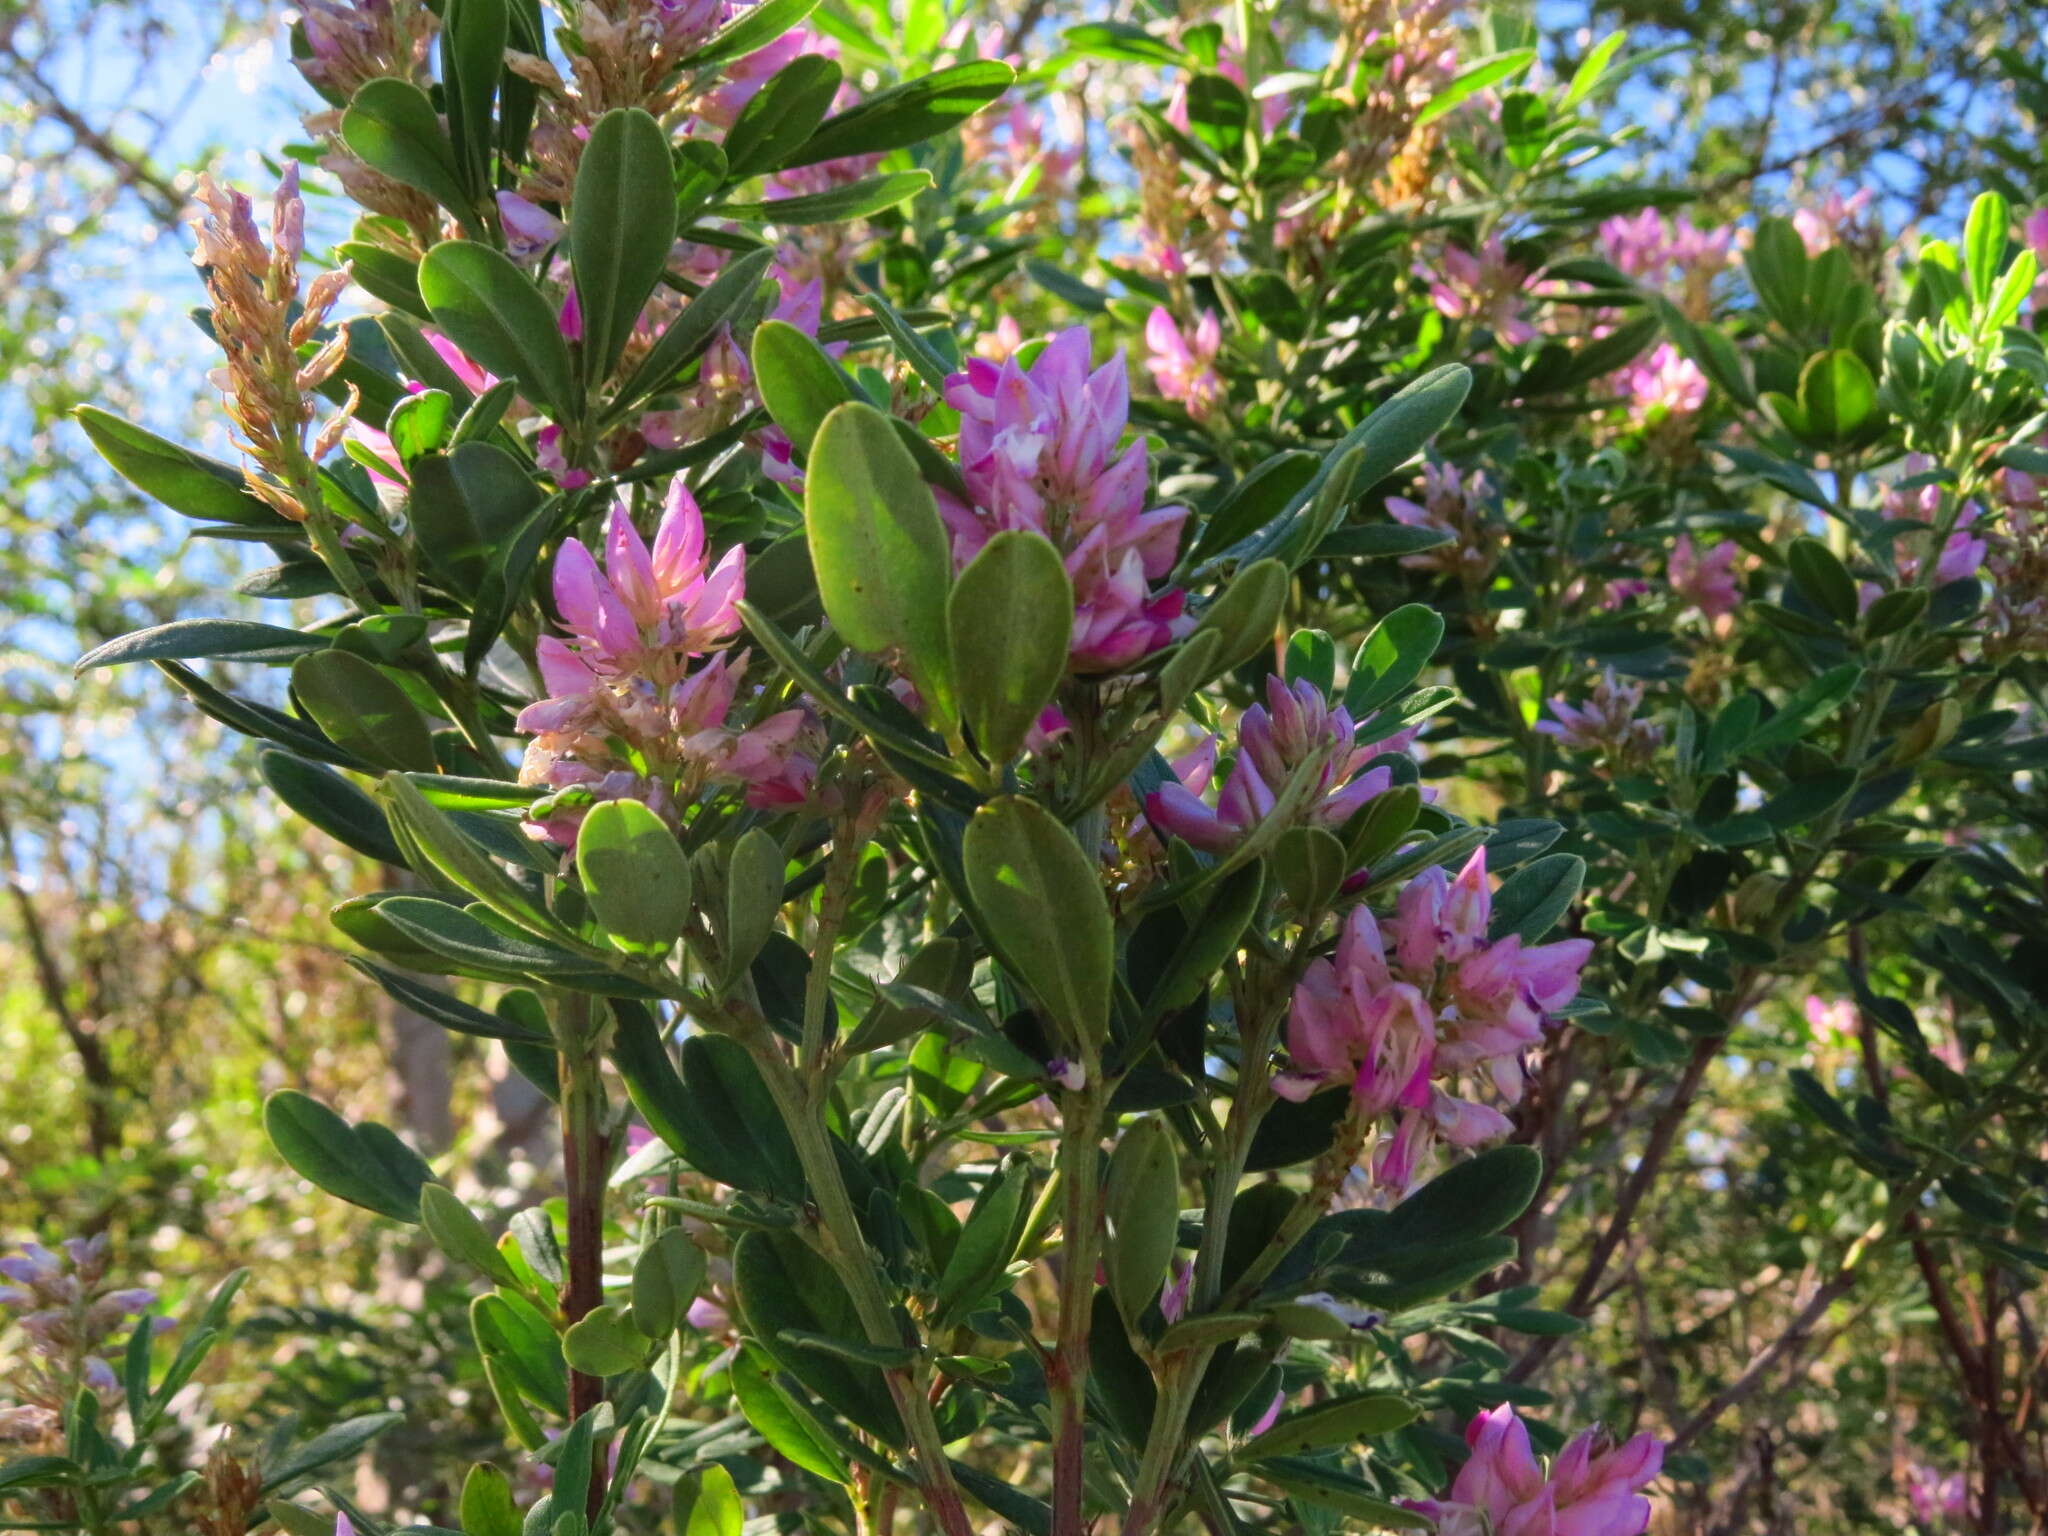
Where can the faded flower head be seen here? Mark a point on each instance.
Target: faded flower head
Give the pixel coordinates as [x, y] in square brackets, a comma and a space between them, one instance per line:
[1184, 365]
[1039, 451]
[352, 42]
[270, 390]
[70, 1311]
[1295, 729]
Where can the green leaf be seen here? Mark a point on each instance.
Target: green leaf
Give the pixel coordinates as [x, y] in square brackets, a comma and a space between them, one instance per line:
[1141, 1202]
[186, 482]
[799, 383]
[1837, 395]
[331, 803]
[716, 1510]
[467, 507]
[621, 226]
[419, 424]
[783, 1422]
[1254, 501]
[487, 1505]
[635, 875]
[666, 1279]
[1325, 1487]
[365, 1165]
[753, 29]
[1808, 707]
[1593, 68]
[855, 200]
[783, 1284]
[186, 639]
[1039, 904]
[717, 1115]
[1777, 271]
[1824, 580]
[883, 562]
[1474, 78]
[337, 1442]
[603, 1342]
[516, 1339]
[1476, 1198]
[906, 114]
[363, 711]
[782, 114]
[473, 38]
[1244, 616]
[911, 346]
[753, 895]
[1391, 658]
[448, 1011]
[1984, 242]
[493, 311]
[456, 1232]
[985, 1245]
[1010, 619]
[451, 851]
[1334, 1423]
[686, 337]
[461, 935]
[1532, 899]
[392, 127]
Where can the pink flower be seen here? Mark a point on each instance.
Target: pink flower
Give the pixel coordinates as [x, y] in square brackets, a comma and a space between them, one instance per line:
[1962, 552]
[1502, 1490]
[1936, 1498]
[1645, 245]
[1442, 1002]
[1183, 368]
[1665, 384]
[1834, 221]
[643, 602]
[2035, 232]
[1457, 503]
[1295, 727]
[529, 228]
[1038, 450]
[1606, 723]
[1484, 287]
[627, 715]
[1706, 582]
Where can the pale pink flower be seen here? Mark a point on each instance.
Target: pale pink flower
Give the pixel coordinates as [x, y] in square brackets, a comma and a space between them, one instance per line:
[1458, 503]
[1661, 386]
[1484, 287]
[1706, 582]
[1038, 450]
[1834, 221]
[1606, 723]
[1296, 726]
[1936, 1497]
[1183, 366]
[1592, 1489]
[1962, 552]
[529, 228]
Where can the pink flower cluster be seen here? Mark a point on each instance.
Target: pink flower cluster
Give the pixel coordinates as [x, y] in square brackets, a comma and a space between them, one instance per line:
[1038, 450]
[1184, 365]
[1705, 581]
[68, 1312]
[1835, 221]
[1936, 1498]
[1443, 1002]
[2034, 230]
[1664, 386]
[1606, 723]
[1484, 287]
[1457, 503]
[2016, 558]
[627, 715]
[1592, 1489]
[1962, 552]
[1645, 244]
[1294, 727]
